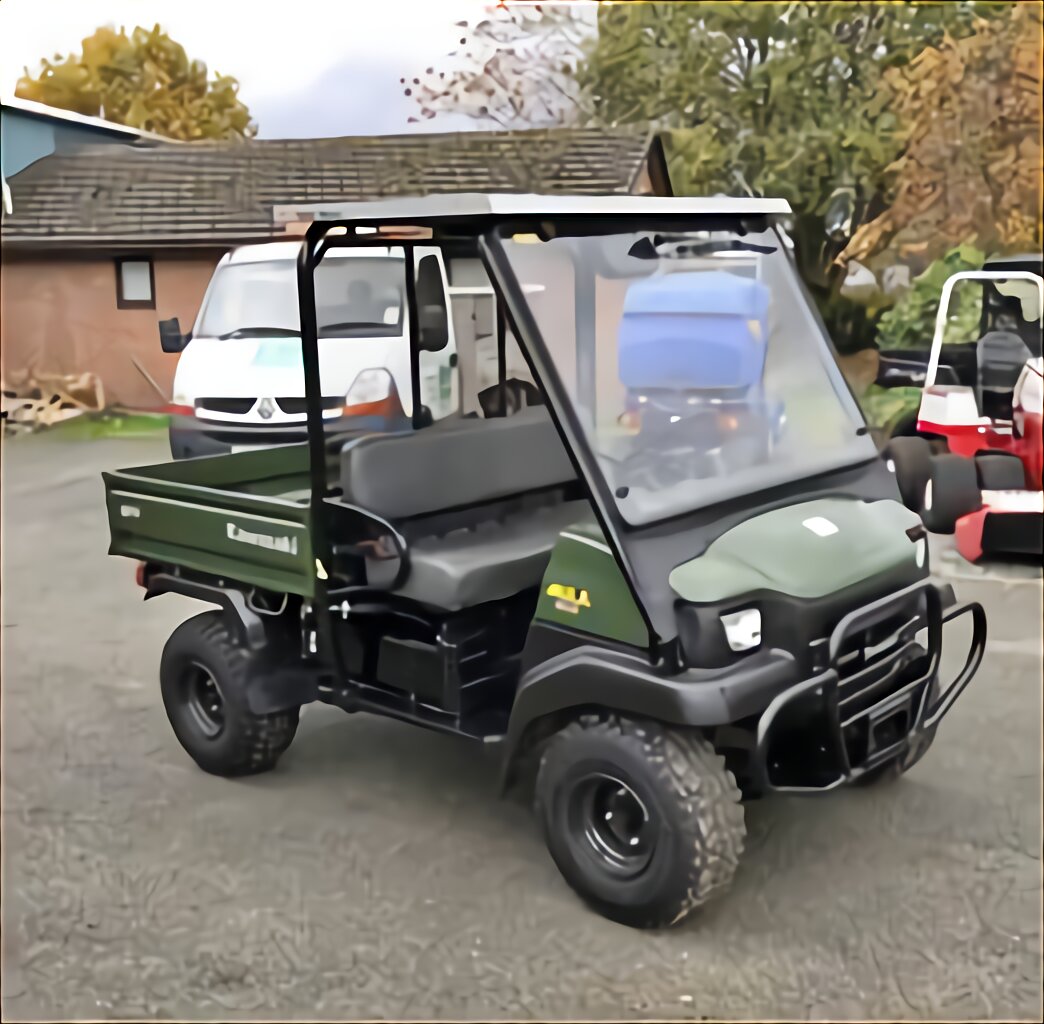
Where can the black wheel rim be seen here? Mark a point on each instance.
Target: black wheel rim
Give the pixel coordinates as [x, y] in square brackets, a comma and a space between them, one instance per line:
[610, 825]
[203, 700]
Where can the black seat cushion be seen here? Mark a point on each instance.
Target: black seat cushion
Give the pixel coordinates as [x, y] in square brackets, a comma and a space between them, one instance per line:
[493, 561]
[454, 464]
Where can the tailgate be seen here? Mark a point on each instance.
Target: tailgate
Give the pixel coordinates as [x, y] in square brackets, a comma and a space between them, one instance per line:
[255, 539]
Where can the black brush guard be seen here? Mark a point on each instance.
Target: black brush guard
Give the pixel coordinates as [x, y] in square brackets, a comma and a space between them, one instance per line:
[865, 718]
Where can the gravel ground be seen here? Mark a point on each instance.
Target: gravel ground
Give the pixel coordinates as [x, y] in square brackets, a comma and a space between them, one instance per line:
[377, 873]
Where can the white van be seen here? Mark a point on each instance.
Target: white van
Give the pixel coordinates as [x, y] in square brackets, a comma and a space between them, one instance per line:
[240, 380]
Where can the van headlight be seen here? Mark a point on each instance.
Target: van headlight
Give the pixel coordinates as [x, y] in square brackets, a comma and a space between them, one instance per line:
[374, 385]
[743, 629]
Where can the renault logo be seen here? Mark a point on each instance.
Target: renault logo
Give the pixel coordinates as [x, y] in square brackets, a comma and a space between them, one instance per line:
[266, 408]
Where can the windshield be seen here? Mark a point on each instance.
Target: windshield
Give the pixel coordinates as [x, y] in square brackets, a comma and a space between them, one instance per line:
[355, 296]
[694, 362]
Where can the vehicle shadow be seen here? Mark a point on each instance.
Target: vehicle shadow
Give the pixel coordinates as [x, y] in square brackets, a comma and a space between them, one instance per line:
[791, 841]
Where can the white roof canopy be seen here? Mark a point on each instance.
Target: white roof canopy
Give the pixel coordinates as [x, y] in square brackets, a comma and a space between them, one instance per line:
[507, 204]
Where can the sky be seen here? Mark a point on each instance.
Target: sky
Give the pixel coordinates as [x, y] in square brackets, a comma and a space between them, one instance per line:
[307, 68]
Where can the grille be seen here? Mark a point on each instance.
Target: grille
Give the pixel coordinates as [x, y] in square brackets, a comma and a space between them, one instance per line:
[231, 405]
[299, 406]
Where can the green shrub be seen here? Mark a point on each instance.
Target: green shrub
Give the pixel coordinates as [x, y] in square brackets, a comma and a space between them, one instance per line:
[911, 321]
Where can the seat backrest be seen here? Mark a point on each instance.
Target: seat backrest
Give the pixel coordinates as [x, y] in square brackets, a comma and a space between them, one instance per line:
[454, 464]
[1001, 356]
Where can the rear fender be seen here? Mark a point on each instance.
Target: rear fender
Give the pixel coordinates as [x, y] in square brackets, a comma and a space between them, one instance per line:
[239, 616]
[278, 680]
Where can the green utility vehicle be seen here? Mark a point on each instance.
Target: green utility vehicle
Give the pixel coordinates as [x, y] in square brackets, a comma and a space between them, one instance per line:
[654, 552]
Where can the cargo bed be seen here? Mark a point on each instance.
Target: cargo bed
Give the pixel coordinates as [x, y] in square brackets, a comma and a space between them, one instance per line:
[243, 516]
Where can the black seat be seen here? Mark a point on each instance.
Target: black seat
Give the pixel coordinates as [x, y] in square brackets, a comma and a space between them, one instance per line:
[468, 470]
[1000, 357]
[489, 562]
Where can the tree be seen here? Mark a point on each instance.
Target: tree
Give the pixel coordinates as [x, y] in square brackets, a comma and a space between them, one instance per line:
[970, 171]
[754, 98]
[517, 68]
[144, 81]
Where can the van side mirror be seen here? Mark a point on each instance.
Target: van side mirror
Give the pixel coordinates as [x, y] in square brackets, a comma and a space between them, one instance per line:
[433, 328]
[171, 338]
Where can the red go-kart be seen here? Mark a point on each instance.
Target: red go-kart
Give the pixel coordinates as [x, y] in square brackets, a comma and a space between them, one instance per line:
[984, 401]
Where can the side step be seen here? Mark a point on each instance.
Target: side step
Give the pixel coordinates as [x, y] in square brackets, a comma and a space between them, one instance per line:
[486, 727]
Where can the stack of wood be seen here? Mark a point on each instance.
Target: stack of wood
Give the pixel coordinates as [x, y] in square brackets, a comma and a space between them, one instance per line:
[32, 400]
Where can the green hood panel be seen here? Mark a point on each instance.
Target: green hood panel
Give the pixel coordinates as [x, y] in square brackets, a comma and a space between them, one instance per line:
[806, 551]
[585, 590]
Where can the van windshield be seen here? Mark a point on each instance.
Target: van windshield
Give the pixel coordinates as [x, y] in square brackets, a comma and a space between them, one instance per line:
[693, 361]
[355, 296]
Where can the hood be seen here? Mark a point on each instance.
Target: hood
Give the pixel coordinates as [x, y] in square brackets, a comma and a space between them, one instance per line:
[805, 551]
[272, 367]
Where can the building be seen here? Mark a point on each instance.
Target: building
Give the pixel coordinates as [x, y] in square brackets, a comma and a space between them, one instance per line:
[30, 131]
[104, 240]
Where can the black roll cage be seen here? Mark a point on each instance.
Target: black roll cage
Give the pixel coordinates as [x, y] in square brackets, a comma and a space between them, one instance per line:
[660, 545]
[478, 236]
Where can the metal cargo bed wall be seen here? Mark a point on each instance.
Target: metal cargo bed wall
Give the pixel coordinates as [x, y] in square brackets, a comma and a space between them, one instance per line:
[243, 517]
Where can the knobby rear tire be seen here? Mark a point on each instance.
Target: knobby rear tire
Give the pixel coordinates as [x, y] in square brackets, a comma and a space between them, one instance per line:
[234, 741]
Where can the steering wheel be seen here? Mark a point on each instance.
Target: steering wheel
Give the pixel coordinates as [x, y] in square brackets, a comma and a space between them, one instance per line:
[656, 469]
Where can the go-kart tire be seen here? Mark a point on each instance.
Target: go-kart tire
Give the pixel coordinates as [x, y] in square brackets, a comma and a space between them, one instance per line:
[678, 831]
[1000, 473]
[952, 491]
[911, 458]
[203, 680]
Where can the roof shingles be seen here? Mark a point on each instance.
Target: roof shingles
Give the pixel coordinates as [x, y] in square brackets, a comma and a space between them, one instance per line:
[215, 193]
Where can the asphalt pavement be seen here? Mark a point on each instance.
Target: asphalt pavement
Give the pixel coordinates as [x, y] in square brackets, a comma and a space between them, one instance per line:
[377, 872]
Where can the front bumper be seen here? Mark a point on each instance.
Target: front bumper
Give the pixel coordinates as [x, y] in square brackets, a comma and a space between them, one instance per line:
[191, 437]
[862, 709]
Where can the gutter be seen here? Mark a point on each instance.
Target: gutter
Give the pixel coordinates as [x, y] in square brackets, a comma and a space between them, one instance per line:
[103, 243]
[32, 108]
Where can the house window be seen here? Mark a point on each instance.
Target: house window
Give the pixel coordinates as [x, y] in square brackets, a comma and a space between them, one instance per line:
[135, 284]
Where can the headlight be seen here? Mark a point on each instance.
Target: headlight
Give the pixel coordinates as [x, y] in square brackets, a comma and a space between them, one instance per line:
[370, 386]
[743, 629]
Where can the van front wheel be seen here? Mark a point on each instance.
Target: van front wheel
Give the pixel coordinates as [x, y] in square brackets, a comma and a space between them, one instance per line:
[203, 679]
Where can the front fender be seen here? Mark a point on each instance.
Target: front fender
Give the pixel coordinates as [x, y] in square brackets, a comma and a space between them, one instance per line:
[593, 677]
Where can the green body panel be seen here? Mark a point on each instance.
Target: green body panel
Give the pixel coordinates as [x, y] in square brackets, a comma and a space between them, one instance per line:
[244, 517]
[600, 601]
[777, 551]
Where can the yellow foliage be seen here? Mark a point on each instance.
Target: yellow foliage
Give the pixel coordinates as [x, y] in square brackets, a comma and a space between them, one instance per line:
[144, 81]
[971, 167]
